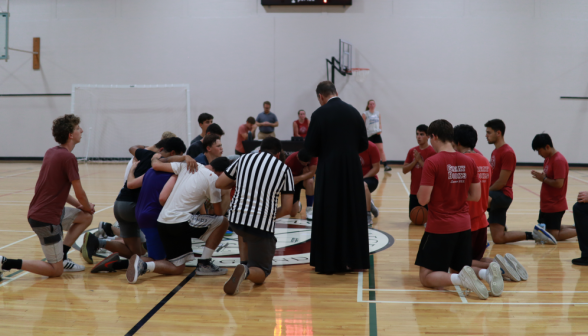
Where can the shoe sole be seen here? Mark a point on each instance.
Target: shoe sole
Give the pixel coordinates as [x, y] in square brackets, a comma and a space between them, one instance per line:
[479, 287]
[497, 284]
[223, 272]
[232, 285]
[509, 272]
[133, 272]
[546, 236]
[87, 258]
[110, 259]
[517, 266]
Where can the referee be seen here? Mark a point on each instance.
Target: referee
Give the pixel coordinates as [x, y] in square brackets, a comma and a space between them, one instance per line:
[259, 178]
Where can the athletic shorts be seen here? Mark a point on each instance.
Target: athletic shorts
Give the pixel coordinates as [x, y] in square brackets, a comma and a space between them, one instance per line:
[479, 242]
[124, 212]
[439, 252]
[260, 249]
[372, 183]
[413, 202]
[552, 220]
[238, 153]
[376, 138]
[51, 236]
[155, 248]
[297, 189]
[498, 207]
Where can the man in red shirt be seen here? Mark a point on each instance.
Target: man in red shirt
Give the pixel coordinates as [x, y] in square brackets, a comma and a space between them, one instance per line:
[47, 215]
[554, 179]
[370, 166]
[449, 181]
[303, 168]
[414, 164]
[243, 134]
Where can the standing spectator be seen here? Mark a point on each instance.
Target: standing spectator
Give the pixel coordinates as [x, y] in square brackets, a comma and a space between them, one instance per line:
[373, 125]
[267, 121]
[301, 125]
[243, 134]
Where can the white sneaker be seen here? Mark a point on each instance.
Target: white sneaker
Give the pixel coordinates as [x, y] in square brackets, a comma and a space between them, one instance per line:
[516, 265]
[299, 207]
[374, 210]
[70, 266]
[370, 221]
[470, 281]
[494, 279]
[308, 213]
[541, 236]
[508, 272]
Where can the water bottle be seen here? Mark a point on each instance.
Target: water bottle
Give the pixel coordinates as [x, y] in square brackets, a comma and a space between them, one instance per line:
[249, 136]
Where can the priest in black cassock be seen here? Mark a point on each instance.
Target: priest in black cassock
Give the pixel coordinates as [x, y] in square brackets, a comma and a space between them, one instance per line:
[336, 136]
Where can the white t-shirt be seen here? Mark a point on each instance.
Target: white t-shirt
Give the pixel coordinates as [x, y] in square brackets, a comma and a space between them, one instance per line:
[189, 193]
[128, 169]
[372, 122]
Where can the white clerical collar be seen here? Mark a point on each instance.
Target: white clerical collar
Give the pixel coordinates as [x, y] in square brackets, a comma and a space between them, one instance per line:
[332, 98]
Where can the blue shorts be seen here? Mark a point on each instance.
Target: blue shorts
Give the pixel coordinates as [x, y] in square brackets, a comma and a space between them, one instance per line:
[154, 245]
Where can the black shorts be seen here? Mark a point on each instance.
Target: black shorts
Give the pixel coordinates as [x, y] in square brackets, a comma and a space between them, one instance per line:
[376, 138]
[498, 207]
[260, 249]
[177, 241]
[439, 252]
[413, 202]
[552, 220]
[372, 183]
[238, 153]
[479, 242]
[297, 189]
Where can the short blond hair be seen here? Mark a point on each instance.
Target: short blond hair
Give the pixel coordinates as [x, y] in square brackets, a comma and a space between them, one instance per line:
[167, 135]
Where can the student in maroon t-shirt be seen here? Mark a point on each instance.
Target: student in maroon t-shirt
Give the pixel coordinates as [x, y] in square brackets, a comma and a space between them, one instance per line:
[554, 179]
[303, 167]
[47, 215]
[370, 166]
[243, 134]
[414, 164]
[300, 126]
[449, 181]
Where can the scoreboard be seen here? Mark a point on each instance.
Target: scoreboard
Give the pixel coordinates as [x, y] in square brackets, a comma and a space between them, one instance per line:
[305, 2]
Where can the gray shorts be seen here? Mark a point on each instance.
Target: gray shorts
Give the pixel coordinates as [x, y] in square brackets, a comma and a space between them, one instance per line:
[124, 212]
[51, 236]
[260, 250]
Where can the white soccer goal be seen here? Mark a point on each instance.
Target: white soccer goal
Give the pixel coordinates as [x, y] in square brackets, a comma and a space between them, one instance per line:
[116, 117]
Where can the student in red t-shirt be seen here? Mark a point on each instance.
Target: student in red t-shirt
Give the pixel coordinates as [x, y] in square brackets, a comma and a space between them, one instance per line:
[414, 164]
[47, 215]
[554, 179]
[465, 138]
[243, 134]
[303, 167]
[300, 126]
[370, 166]
[449, 181]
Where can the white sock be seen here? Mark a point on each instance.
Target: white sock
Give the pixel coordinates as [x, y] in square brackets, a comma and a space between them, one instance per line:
[455, 279]
[483, 274]
[207, 253]
[150, 266]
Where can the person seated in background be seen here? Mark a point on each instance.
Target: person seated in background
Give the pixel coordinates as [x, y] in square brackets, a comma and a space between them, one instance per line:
[300, 126]
[303, 168]
[243, 134]
[581, 222]
[267, 122]
[204, 120]
[370, 166]
[213, 148]
[197, 147]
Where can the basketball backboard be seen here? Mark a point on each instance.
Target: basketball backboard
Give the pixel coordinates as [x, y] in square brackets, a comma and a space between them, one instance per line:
[4, 35]
[341, 64]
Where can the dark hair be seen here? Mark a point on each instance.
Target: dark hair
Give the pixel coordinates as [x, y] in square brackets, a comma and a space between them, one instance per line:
[422, 128]
[271, 145]
[215, 129]
[64, 126]
[442, 129]
[541, 141]
[251, 120]
[209, 141]
[304, 155]
[220, 164]
[367, 107]
[465, 135]
[204, 117]
[496, 125]
[326, 88]
[161, 143]
[267, 102]
[174, 144]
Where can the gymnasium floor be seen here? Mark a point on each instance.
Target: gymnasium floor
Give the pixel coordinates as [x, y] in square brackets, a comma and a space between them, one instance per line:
[294, 301]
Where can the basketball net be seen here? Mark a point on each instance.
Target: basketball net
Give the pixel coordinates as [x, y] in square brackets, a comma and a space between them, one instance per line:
[360, 74]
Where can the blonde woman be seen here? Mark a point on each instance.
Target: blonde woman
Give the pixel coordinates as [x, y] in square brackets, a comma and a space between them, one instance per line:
[373, 125]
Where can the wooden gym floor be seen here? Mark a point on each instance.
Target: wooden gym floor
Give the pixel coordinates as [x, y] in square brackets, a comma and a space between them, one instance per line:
[388, 300]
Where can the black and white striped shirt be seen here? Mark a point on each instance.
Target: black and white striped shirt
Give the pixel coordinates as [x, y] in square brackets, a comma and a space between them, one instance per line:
[260, 178]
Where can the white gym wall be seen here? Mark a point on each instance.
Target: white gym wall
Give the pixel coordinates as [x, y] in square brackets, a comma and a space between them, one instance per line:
[464, 60]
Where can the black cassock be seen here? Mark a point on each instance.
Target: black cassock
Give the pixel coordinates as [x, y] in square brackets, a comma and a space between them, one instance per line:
[339, 241]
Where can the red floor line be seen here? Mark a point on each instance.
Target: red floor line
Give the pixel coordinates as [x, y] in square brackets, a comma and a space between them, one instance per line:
[577, 179]
[529, 190]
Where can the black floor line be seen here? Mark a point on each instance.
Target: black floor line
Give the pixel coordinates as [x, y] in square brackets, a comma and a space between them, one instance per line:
[161, 303]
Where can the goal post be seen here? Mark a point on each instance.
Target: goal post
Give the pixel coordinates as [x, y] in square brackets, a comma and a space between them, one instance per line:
[116, 117]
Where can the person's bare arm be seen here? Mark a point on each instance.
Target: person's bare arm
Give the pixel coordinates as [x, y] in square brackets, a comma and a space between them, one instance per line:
[583, 197]
[307, 174]
[374, 171]
[550, 182]
[424, 194]
[380, 132]
[133, 149]
[73, 201]
[167, 189]
[136, 183]
[218, 209]
[164, 164]
[286, 207]
[475, 192]
[224, 182]
[502, 180]
[295, 127]
[276, 124]
[408, 166]
[86, 206]
[244, 135]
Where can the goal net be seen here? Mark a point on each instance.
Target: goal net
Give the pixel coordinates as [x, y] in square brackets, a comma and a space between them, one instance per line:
[116, 117]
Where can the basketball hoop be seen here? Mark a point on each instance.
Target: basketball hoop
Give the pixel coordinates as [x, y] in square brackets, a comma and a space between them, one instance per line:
[360, 74]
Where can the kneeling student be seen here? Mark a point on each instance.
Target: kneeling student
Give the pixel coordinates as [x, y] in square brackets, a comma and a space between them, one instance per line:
[370, 166]
[303, 168]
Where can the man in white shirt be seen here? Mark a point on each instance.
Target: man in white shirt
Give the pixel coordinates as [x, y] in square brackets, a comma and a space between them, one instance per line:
[178, 222]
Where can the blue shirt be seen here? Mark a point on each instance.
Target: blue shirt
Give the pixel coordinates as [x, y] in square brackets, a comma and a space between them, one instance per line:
[148, 208]
[201, 158]
[262, 117]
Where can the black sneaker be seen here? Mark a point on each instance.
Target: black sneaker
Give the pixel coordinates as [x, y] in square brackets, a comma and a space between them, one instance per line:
[90, 247]
[580, 261]
[107, 264]
[104, 230]
[387, 168]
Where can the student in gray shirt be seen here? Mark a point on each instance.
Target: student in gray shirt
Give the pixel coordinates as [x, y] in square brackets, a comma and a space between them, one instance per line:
[266, 121]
